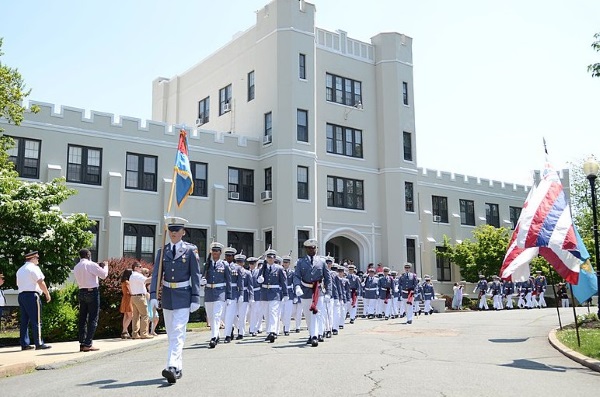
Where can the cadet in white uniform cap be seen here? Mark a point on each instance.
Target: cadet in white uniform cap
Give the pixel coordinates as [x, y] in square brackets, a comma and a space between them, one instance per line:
[217, 289]
[237, 287]
[273, 291]
[180, 275]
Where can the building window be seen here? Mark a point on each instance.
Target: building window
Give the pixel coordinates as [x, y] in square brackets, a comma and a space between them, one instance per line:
[411, 251]
[269, 125]
[224, 100]
[345, 193]
[302, 125]
[138, 242]
[407, 140]
[141, 172]
[405, 93]
[303, 235]
[268, 239]
[200, 177]
[95, 230]
[440, 208]
[467, 212]
[250, 86]
[84, 165]
[25, 155]
[345, 141]
[302, 183]
[203, 111]
[302, 66]
[443, 266]
[492, 214]
[241, 181]
[242, 242]
[343, 90]
[269, 179]
[514, 213]
[409, 204]
[198, 238]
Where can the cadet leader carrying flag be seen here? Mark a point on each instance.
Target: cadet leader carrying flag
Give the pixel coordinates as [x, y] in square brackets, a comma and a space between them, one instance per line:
[180, 281]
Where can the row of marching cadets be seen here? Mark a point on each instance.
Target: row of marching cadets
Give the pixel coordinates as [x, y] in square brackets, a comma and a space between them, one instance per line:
[529, 293]
[387, 295]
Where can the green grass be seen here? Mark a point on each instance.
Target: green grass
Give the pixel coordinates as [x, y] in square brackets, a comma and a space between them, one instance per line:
[199, 326]
[590, 341]
[13, 333]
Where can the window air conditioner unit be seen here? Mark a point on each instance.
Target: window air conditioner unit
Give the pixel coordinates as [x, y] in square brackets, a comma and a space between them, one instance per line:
[200, 121]
[437, 218]
[267, 139]
[226, 107]
[234, 196]
[266, 195]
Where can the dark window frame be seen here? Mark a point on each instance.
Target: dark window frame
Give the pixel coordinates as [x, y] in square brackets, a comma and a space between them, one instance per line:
[345, 199]
[442, 265]
[405, 93]
[492, 214]
[303, 235]
[409, 196]
[411, 251]
[467, 212]
[198, 237]
[302, 186]
[251, 87]
[514, 214]
[244, 185]
[204, 111]
[343, 90]
[84, 169]
[242, 241]
[439, 205]
[344, 141]
[139, 231]
[269, 124]
[225, 94]
[301, 129]
[200, 185]
[302, 66]
[143, 178]
[407, 145]
[269, 178]
[21, 162]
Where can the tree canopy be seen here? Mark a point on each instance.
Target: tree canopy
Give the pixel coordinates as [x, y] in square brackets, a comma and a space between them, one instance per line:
[594, 68]
[30, 218]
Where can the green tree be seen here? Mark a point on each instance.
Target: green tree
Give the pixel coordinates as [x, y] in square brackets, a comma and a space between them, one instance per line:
[594, 68]
[29, 214]
[484, 254]
[581, 206]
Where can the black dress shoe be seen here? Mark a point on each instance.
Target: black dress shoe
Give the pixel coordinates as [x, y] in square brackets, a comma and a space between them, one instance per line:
[314, 342]
[309, 341]
[297, 330]
[351, 321]
[271, 337]
[335, 332]
[179, 374]
[327, 334]
[27, 347]
[286, 333]
[253, 334]
[42, 347]
[170, 374]
[212, 343]
[227, 339]
[341, 327]
[320, 338]
[239, 337]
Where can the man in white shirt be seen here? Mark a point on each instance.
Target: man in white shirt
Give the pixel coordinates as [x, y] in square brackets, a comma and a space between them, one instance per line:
[86, 274]
[137, 284]
[30, 281]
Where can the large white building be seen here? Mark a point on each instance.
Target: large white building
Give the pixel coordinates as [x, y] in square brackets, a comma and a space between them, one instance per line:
[295, 132]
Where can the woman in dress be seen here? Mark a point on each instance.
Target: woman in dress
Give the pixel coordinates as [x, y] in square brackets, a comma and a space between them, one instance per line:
[126, 306]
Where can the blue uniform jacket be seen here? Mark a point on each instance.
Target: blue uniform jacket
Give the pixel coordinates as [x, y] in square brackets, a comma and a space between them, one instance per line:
[386, 287]
[237, 282]
[218, 278]
[247, 284]
[255, 284]
[307, 273]
[371, 287]
[407, 282]
[274, 286]
[354, 284]
[184, 267]
[428, 292]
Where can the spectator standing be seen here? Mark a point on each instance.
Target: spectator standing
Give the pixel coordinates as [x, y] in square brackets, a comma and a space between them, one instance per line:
[126, 307]
[86, 274]
[137, 284]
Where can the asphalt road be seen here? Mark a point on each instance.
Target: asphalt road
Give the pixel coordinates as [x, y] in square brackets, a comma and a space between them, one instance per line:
[453, 354]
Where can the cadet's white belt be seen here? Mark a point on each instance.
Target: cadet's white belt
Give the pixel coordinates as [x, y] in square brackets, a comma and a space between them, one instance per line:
[256, 289]
[271, 286]
[307, 285]
[371, 289]
[290, 287]
[176, 285]
[219, 285]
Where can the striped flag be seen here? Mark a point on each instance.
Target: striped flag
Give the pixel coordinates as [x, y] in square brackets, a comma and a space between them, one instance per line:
[184, 184]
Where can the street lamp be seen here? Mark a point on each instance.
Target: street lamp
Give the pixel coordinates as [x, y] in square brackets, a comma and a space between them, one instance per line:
[590, 169]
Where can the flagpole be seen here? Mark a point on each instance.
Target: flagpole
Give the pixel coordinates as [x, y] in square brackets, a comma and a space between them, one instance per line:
[164, 240]
[575, 316]
[553, 281]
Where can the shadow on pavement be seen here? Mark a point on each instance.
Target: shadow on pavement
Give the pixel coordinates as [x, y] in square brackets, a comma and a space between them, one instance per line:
[514, 340]
[533, 365]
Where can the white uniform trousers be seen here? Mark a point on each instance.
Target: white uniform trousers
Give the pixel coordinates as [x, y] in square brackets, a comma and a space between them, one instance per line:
[175, 323]
[336, 310]
[407, 308]
[328, 315]
[483, 302]
[272, 310]
[241, 320]
[216, 311]
[351, 310]
[498, 302]
[254, 314]
[379, 306]
[231, 311]
[528, 300]
[388, 307]
[541, 300]
[521, 302]
[315, 322]
[427, 307]
[286, 314]
[509, 302]
[369, 305]
[297, 311]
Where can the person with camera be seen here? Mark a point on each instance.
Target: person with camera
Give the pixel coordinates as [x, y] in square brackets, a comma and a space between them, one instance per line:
[86, 275]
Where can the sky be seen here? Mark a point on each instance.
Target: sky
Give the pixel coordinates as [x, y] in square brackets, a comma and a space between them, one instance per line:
[492, 78]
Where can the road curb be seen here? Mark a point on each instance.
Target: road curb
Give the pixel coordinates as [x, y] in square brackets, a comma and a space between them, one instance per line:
[572, 354]
[16, 369]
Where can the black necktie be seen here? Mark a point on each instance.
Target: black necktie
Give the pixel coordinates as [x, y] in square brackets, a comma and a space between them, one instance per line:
[311, 260]
[173, 250]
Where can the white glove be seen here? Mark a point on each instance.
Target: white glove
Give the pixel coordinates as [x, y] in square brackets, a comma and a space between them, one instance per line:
[396, 290]
[194, 307]
[203, 282]
[229, 302]
[260, 279]
[295, 300]
[154, 304]
[252, 301]
[241, 299]
[285, 298]
[299, 291]
[327, 298]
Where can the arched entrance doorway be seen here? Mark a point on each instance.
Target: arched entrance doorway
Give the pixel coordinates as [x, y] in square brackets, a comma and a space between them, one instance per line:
[346, 243]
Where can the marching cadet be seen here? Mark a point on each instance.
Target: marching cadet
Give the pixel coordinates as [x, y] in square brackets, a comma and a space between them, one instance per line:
[428, 294]
[395, 301]
[482, 287]
[255, 309]
[418, 297]
[370, 293]
[496, 290]
[527, 287]
[563, 295]
[246, 297]
[237, 292]
[386, 291]
[217, 290]
[179, 266]
[407, 283]
[355, 291]
[344, 297]
[521, 292]
[333, 304]
[540, 287]
[508, 289]
[288, 305]
[312, 283]
[296, 306]
[273, 292]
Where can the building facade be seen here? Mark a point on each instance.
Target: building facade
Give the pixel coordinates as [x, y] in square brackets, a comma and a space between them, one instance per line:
[295, 132]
